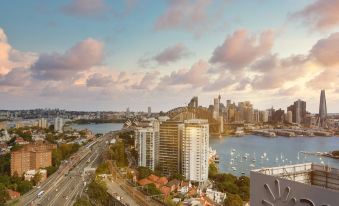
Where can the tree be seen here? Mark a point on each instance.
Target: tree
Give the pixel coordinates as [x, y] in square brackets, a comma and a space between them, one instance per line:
[5, 164]
[51, 170]
[177, 176]
[169, 202]
[36, 179]
[97, 191]
[3, 194]
[117, 153]
[82, 202]
[233, 200]
[212, 170]
[102, 169]
[144, 172]
[24, 186]
[152, 189]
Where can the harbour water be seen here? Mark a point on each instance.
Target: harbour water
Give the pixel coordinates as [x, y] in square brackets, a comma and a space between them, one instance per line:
[239, 155]
[99, 128]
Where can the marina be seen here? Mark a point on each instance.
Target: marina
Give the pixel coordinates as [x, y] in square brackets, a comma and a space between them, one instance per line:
[239, 155]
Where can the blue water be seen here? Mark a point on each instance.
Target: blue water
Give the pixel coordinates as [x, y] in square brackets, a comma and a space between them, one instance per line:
[284, 149]
[99, 128]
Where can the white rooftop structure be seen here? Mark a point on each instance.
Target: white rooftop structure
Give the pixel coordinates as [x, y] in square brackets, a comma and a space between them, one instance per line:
[301, 184]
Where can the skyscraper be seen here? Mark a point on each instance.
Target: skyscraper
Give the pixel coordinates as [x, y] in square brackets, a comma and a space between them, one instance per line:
[194, 152]
[169, 147]
[145, 145]
[58, 124]
[216, 110]
[193, 102]
[321, 121]
[298, 110]
[149, 111]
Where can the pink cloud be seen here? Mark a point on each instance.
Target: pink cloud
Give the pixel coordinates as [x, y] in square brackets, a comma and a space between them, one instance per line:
[191, 15]
[148, 81]
[241, 49]
[79, 58]
[326, 51]
[327, 79]
[11, 58]
[85, 7]
[285, 70]
[99, 80]
[172, 54]
[321, 14]
[196, 76]
[4, 53]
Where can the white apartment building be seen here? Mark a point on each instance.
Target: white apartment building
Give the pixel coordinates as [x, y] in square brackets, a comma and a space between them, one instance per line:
[195, 150]
[42, 123]
[58, 124]
[146, 145]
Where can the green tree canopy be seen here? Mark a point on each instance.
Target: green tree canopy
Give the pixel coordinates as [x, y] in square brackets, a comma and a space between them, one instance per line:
[144, 172]
[97, 191]
[233, 200]
[82, 202]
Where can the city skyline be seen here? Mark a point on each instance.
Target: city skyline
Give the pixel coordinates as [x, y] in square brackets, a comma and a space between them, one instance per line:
[99, 55]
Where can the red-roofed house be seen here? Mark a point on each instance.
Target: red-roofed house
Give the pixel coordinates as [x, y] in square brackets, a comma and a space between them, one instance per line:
[174, 184]
[21, 141]
[165, 190]
[13, 194]
[153, 178]
[162, 180]
[144, 182]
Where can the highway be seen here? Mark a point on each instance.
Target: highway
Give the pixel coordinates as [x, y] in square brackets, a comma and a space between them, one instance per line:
[67, 183]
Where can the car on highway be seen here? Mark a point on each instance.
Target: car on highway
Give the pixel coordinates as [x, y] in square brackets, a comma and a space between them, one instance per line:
[40, 193]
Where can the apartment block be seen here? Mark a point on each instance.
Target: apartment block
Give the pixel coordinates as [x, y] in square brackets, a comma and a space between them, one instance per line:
[31, 157]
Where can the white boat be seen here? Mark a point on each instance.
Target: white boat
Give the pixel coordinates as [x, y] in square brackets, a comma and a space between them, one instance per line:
[252, 165]
[234, 168]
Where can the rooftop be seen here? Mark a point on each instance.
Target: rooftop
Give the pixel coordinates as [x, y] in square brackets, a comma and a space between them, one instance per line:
[308, 173]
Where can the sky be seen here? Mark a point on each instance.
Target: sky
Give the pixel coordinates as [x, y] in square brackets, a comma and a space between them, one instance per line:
[108, 55]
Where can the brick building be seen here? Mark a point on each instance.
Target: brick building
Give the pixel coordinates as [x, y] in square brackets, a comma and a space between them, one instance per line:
[31, 157]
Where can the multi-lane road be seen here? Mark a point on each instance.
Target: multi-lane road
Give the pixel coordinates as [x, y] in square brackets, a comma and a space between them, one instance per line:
[68, 182]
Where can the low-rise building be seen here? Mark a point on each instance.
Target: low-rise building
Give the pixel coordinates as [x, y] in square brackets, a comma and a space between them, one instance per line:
[29, 175]
[216, 196]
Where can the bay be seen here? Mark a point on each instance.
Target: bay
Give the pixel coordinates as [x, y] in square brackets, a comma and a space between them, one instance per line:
[99, 128]
[269, 152]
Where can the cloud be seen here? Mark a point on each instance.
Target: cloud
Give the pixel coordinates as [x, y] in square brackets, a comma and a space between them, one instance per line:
[224, 81]
[85, 7]
[11, 58]
[327, 79]
[326, 51]
[266, 63]
[166, 56]
[320, 15]
[196, 76]
[4, 52]
[285, 70]
[17, 77]
[172, 54]
[190, 15]
[289, 91]
[79, 58]
[240, 49]
[99, 80]
[148, 81]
